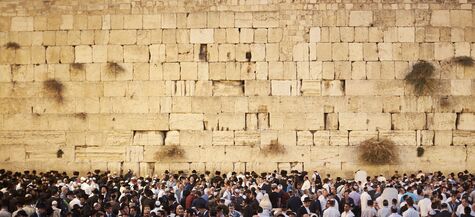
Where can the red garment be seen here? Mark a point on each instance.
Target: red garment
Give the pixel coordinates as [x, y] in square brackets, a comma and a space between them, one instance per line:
[189, 200]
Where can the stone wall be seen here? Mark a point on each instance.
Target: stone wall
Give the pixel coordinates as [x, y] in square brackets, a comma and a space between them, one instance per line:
[223, 79]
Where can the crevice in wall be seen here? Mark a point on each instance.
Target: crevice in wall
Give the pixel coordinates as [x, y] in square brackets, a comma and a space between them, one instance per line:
[203, 52]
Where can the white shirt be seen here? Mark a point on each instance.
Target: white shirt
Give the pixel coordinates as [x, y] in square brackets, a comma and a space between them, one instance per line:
[395, 215]
[384, 212]
[364, 200]
[424, 206]
[369, 212]
[460, 210]
[347, 214]
[331, 212]
[411, 212]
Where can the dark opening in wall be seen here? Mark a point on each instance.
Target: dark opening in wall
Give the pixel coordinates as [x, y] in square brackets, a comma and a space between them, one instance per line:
[248, 56]
[203, 52]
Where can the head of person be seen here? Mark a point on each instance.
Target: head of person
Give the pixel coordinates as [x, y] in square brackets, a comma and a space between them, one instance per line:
[179, 210]
[307, 201]
[41, 208]
[393, 209]
[409, 201]
[385, 203]
[347, 207]
[444, 206]
[331, 203]
[370, 202]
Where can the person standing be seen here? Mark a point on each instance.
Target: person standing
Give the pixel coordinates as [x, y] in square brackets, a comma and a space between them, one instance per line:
[370, 211]
[331, 211]
[410, 212]
[347, 211]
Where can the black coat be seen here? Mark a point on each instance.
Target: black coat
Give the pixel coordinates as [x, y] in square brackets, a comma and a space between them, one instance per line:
[302, 211]
[443, 213]
[294, 203]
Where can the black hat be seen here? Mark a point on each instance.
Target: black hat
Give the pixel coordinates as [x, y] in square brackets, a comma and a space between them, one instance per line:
[41, 206]
[21, 213]
[307, 199]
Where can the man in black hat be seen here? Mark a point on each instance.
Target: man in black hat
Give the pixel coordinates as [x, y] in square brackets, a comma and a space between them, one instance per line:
[305, 208]
[40, 210]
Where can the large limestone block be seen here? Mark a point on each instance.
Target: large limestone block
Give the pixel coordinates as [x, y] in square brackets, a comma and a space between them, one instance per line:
[228, 88]
[32, 138]
[379, 121]
[333, 88]
[247, 138]
[440, 18]
[148, 137]
[441, 121]
[443, 137]
[361, 18]
[304, 138]
[464, 138]
[186, 121]
[22, 24]
[409, 121]
[297, 121]
[202, 36]
[135, 122]
[356, 137]
[123, 37]
[321, 138]
[315, 34]
[399, 137]
[353, 121]
[265, 19]
[135, 53]
[232, 121]
[311, 88]
[461, 18]
[19, 153]
[223, 138]
[172, 137]
[100, 153]
[83, 54]
[339, 138]
[443, 51]
[281, 88]
[466, 121]
[257, 88]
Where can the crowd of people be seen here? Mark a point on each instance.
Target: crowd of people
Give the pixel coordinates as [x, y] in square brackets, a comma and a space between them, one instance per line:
[282, 194]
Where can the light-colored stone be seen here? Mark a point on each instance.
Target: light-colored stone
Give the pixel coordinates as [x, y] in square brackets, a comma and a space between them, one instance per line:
[202, 36]
[186, 121]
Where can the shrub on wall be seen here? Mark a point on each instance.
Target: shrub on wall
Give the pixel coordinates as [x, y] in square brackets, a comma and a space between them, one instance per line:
[463, 60]
[12, 46]
[420, 76]
[274, 148]
[114, 68]
[55, 88]
[77, 66]
[376, 152]
[171, 152]
[420, 151]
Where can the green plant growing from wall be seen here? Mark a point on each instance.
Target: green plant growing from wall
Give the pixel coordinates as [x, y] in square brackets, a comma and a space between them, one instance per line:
[463, 60]
[420, 77]
[55, 89]
[377, 152]
[274, 148]
[12, 46]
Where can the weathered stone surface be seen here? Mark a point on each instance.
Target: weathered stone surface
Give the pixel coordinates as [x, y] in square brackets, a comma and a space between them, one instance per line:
[316, 78]
[186, 121]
